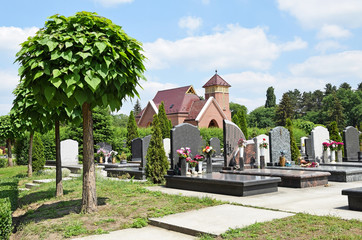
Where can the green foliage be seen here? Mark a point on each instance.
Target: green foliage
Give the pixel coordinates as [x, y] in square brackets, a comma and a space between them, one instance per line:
[284, 110]
[334, 132]
[5, 218]
[22, 150]
[157, 163]
[38, 153]
[262, 117]
[253, 132]
[270, 98]
[307, 126]
[7, 130]
[137, 108]
[132, 132]
[143, 132]
[81, 58]
[240, 119]
[164, 122]
[139, 223]
[48, 140]
[235, 108]
[3, 162]
[102, 125]
[293, 144]
[120, 120]
[208, 133]
[74, 229]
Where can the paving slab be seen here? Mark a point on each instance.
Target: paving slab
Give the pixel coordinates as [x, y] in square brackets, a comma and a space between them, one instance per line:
[320, 200]
[146, 233]
[216, 220]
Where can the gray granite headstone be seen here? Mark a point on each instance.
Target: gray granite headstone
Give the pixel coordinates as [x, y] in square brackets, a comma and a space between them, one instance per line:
[308, 148]
[145, 144]
[69, 152]
[279, 141]
[351, 143]
[232, 134]
[136, 149]
[107, 147]
[182, 136]
[215, 144]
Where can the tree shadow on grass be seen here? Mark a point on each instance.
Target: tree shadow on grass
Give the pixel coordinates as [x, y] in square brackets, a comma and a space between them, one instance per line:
[40, 195]
[51, 211]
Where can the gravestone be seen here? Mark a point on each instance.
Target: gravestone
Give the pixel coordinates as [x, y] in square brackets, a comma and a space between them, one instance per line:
[279, 141]
[302, 145]
[167, 147]
[258, 140]
[182, 136]
[319, 135]
[215, 144]
[107, 147]
[232, 134]
[308, 147]
[145, 143]
[69, 152]
[351, 143]
[136, 150]
[249, 153]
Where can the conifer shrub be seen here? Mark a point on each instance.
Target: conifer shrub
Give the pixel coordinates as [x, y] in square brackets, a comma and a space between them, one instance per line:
[164, 122]
[132, 132]
[38, 153]
[5, 218]
[22, 150]
[157, 163]
[293, 145]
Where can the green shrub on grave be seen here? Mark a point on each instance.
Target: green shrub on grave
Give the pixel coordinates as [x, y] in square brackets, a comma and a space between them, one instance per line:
[38, 153]
[5, 218]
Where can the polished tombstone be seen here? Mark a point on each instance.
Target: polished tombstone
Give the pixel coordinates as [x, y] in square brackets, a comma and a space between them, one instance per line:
[289, 178]
[279, 141]
[354, 198]
[136, 150]
[232, 134]
[308, 148]
[69, 152]
[250, 154]
[145, 143]
[318, 135]
[338, 173]
[215, 144]
[184, 135]
[351, 143]
[229, 184]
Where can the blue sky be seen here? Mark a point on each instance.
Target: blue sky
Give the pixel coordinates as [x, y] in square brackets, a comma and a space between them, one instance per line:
[253, 44]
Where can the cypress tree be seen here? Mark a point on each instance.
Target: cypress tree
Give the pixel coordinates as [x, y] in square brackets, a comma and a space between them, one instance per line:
[164, 122]
[137, 108]
[243, 124]
[157, 163]
[132, 132]
[334, 132]
[284, 110]
[38, 161]
[293, 144]
[270, 98]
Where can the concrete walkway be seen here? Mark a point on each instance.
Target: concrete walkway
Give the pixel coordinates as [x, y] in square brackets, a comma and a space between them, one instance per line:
[322, 200]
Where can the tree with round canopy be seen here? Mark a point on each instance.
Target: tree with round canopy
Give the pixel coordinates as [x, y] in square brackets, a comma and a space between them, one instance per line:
[82, 60]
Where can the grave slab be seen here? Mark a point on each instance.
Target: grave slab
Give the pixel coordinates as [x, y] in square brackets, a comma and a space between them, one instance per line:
[133, 172]
[354, 198]
[216, 220]
[290, 178]
[229, 184]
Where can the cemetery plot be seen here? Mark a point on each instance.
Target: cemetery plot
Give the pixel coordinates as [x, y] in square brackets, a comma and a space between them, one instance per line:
[354, 198]
[289, 178]
[229, 184]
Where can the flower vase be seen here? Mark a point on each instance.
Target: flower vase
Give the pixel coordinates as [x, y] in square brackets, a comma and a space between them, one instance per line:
[193, 170]
[333, 156]
[187, 168]
[114, 160]
[100, 159]
[282, 161]
[325, 156]
[339, 155]
[208, 164]
[262, 151]
[200, 167]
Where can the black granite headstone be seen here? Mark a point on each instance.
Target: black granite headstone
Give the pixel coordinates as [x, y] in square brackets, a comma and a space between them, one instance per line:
[215, 144]
[136, 149]
[232, 134]
[351, 143]
[182, 136]
[308, 148]
[145, 144]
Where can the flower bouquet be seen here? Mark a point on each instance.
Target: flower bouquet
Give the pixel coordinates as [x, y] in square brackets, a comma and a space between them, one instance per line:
[199, 158]
[184, 152]
[263, 144]
[241, 142]
[325, 146]
[208, 150]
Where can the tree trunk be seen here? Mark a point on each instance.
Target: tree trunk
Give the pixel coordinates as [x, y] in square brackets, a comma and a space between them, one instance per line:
[10, 156]
[89, 195]
[58, 163]
[30, 160]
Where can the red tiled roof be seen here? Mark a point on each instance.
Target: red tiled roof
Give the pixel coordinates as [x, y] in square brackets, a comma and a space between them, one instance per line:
[216, 80]
[196, 108]
[176, 100]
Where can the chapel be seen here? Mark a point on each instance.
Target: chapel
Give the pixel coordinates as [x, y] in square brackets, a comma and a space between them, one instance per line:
[183, 105]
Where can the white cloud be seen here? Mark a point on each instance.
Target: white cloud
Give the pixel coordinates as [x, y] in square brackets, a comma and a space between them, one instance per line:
[333, 31]
[236, 47]
[191, 24]
[297, 44]
[334, 67]
[8, 80]
[12, 37]
[316, 13]
[111, 3]
[325, 46]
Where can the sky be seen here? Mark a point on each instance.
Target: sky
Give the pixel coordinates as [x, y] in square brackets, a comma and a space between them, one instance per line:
[253, 44]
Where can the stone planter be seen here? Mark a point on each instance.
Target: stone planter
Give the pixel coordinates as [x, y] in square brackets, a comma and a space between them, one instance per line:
[208, 164]
[333, 156]
[339, 156]
[200, 167]
[325, 156]
[262, 151]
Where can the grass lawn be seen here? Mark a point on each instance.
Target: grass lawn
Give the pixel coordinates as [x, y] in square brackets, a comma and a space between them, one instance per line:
[38, 215]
